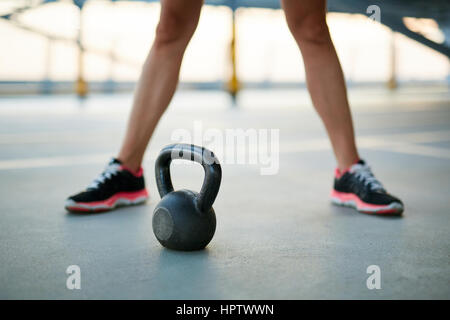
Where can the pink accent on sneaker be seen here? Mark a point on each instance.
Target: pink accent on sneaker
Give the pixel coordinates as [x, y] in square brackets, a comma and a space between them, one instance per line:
[137, 174]
[352, 200]
[126, 198]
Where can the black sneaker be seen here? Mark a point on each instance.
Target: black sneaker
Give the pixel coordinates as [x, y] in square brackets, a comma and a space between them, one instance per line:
[359, 189]
[115, 186]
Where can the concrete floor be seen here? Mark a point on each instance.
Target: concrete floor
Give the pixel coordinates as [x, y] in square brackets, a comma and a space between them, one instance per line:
[277, 236]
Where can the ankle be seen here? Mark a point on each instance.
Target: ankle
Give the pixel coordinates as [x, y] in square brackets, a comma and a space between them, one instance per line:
[344, 166]
[131, 165]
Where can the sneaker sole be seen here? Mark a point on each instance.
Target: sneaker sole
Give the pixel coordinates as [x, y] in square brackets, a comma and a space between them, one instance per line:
[118, 200]
[351, 200]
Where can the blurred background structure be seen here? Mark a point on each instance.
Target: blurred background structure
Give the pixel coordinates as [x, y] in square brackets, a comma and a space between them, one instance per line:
[55, 46]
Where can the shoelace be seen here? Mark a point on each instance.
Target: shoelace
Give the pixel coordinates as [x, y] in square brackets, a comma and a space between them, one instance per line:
[109, 171]
[364, 174]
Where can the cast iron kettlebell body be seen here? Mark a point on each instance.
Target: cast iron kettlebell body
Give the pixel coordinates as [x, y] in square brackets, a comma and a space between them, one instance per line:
[184, 219]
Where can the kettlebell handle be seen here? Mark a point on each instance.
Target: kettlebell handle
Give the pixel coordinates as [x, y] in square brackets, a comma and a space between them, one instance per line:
[209, 162]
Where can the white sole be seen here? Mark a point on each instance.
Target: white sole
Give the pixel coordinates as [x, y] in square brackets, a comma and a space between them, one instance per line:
[120, 202]
[395, 207]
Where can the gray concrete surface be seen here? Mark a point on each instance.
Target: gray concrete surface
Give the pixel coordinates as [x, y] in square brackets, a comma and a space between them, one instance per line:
[277, 237]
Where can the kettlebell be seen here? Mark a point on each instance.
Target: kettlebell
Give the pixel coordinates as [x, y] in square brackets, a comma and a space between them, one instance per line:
[184, 219]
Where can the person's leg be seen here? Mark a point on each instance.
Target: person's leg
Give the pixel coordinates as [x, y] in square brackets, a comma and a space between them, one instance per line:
[122, 181]
[324, 77]
[159, 78]
[354, 183]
